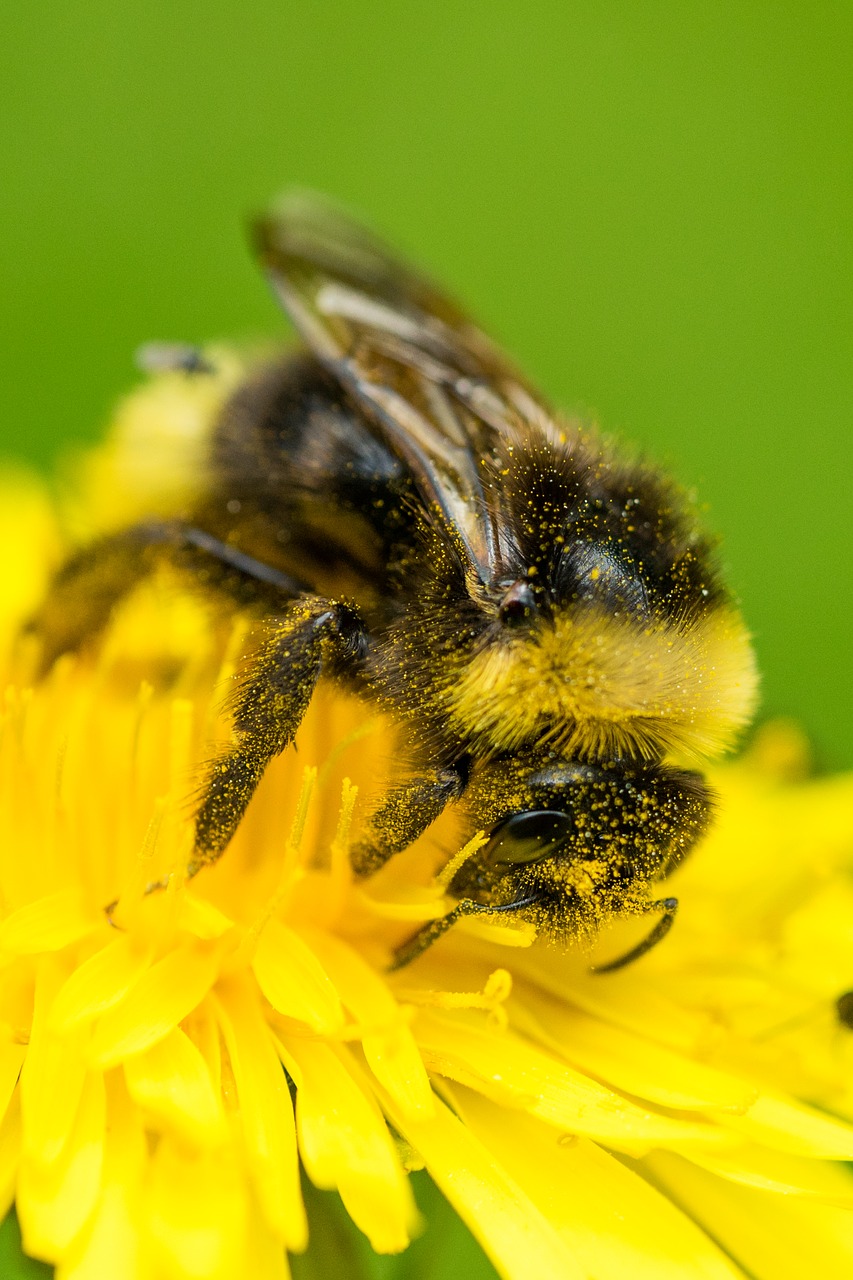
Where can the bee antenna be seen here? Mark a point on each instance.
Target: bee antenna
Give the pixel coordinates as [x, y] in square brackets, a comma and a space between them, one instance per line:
[668, 908]
[434, 929]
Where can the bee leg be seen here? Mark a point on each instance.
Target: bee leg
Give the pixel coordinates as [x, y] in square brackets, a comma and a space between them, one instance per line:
[314, 636]
[431, 932]
[667, 907]
[403, 816]
[89, 585]
[84, 592]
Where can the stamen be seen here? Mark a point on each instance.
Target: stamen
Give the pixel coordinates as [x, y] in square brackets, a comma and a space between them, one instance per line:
[492, 998]
[59, 774]
[143, 702]
[341, 871]
[362, 731]
[180, 745]
[445, 876]
[297, 830]
[139, 885]
[288, 868]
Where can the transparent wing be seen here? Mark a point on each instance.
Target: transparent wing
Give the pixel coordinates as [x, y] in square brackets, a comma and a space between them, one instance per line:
[442, 396]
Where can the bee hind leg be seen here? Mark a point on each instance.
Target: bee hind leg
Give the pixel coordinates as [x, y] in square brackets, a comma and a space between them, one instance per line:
[312, 637]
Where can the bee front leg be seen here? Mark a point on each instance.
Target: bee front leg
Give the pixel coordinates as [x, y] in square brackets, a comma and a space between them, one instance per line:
[404, 815]
[314, 636]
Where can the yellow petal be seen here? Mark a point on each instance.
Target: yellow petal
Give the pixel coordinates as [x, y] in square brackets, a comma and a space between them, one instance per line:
[264, 1258]
[52, 1080]
[10, 1154]
[98, 983]
[344, 1143]
[56, 1199]
[171, 1080]
[52, 1076]
[112, 1243]
[780, 1172]
[626, 999]
[774, 1237]
[198, 1214]
[628, 1061]
[515, 1234]
[508, 1070]
[616, 1224]
[111, 1246]
[29, 520]
[294, 981]
[266, 1112]
[203, 1029]
[48, 924]
[794, 1127]
[17, 990]
[162, 997]
[202, 918]
[11, 1060]
[389, 1046]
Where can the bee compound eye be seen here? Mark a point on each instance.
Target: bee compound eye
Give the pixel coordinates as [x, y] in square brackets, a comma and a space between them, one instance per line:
[528, 837]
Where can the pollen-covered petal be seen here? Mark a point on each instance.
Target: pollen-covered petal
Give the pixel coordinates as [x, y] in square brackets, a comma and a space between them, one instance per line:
[163, 996]
[614, 1222]
[628, 1061]
[775, 1237]
[48, 924]
[266, 1112]
[507, 1069]
[56, 1198]
[172, 1081]
[344, 1143]
[294, 981]
[197, 1206]
[516, 1235]
[389, 1046]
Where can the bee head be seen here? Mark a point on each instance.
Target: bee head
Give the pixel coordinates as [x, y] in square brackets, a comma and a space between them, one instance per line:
[577, 843]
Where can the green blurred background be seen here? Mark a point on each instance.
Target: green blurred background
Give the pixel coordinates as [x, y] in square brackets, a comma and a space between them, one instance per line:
[649, 204]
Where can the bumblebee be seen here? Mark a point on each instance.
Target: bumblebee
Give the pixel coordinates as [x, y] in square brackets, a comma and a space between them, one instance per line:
[541, 618]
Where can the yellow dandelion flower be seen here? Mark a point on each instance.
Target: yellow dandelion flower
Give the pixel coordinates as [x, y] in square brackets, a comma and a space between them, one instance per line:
[163, 1075]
